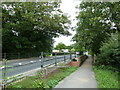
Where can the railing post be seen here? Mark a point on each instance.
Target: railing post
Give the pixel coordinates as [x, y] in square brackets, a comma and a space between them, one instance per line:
[55, 59]
[75, 54]
[41, 59]
[4, 73]
[64, 57]
[4, 56]
[18, 55]
[70, 55]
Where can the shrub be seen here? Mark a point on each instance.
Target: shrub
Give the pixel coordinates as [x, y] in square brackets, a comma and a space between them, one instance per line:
[39, 84]
[110, 52]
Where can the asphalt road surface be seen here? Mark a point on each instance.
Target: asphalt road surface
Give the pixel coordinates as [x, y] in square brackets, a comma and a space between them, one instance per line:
[18, 67]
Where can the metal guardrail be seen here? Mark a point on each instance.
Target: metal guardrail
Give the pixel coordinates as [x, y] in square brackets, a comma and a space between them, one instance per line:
[52, 61]
[10, 56]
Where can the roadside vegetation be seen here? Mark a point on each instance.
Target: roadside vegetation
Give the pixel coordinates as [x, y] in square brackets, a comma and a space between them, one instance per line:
[97, 35]
[107, 62]
[106, 77]
[31, 27]
[109, 53]
[28, 28]
[38, 82]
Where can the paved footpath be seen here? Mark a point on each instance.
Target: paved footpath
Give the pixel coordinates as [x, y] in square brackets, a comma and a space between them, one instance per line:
[81, 78]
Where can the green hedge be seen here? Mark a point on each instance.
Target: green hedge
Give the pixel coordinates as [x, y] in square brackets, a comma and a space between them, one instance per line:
[110, 52]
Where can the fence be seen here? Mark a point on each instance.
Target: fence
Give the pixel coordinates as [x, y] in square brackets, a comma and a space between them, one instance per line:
[18, 67]
[10, 56]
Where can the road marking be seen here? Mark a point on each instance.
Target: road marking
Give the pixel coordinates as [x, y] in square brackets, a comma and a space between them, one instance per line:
[20, 63]
[30, 71]
[2, 67]
[31, 61]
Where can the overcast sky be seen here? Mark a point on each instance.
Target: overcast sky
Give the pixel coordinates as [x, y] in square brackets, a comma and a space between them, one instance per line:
[68, 6]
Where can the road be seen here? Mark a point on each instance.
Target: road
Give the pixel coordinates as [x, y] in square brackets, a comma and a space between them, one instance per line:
[18, 67]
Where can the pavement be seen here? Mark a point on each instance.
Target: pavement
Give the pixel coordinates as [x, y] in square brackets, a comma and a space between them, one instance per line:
[83, 77]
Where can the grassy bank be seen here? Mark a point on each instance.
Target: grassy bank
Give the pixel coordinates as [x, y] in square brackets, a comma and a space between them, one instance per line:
[37, 82]
[106, 77]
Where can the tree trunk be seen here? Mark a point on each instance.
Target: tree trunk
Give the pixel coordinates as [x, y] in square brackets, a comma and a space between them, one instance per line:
[93, 57]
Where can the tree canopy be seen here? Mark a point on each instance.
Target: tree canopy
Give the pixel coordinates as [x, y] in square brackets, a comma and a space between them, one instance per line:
[60, 46]
[98, 31]
[96, 22]
[31, 26]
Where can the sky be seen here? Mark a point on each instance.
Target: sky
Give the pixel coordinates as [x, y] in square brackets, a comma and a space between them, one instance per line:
[68, 6]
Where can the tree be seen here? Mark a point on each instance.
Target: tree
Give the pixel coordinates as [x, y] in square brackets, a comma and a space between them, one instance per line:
[95, 24]
[60, 46]
[31, 26]
[71, 47]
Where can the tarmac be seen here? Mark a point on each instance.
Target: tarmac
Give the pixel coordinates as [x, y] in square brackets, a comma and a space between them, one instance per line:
[83, 77]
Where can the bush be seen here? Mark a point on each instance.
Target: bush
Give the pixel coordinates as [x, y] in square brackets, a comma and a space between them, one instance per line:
[39, 84]
[110, 52]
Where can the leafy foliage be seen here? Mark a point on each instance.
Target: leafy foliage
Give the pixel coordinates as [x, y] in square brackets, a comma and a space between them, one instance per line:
[31, 26]
[61, 46]
[110, 52]
[37, 81]
[39, 84]
[96, 21]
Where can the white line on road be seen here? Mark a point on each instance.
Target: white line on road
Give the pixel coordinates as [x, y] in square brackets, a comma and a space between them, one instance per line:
[2, 67]
[31, 61]
[20, 63]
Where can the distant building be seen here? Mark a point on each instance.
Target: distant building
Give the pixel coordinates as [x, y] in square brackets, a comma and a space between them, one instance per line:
[55, 51]
[86, 53]
[65, 50]
[59, 51]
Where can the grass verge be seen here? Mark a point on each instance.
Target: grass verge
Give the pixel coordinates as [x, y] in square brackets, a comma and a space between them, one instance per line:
[38, 82]
[105, 77]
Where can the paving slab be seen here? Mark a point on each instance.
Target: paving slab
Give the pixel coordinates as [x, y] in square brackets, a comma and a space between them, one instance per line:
[83, 77]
